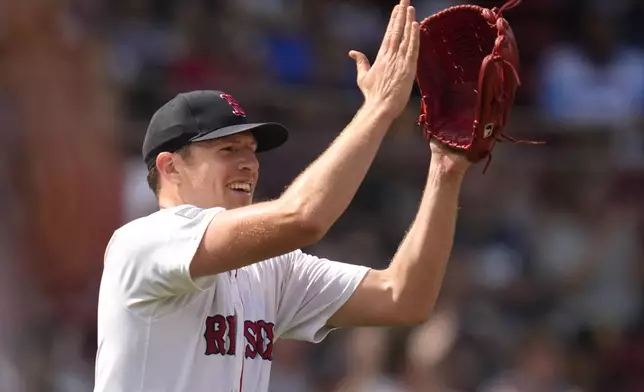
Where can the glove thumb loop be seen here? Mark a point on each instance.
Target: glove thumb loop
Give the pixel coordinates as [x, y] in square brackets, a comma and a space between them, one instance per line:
[362, 63]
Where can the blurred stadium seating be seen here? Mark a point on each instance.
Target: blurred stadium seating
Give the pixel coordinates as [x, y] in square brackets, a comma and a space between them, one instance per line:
[544, 289]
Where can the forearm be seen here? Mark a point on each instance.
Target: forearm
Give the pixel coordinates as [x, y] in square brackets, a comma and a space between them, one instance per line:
[325, 189]
[418, 266]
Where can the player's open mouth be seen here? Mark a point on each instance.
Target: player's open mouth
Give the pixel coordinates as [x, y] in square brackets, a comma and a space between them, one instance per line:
[241, 187]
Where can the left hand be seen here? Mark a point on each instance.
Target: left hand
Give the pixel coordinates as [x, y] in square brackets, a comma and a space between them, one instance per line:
[450, 161]
[388, 82]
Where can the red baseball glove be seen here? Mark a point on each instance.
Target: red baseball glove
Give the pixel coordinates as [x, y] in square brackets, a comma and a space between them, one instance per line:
[467, 74]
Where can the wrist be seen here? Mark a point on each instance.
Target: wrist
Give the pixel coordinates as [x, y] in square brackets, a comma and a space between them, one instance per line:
[378, 111]
[448, 167]
[448, 162]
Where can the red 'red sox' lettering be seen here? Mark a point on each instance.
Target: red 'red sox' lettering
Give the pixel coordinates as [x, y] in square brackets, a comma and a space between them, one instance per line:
[259, 339]
[220, 333]
[237, 109]
[267, 329]
[215, 329]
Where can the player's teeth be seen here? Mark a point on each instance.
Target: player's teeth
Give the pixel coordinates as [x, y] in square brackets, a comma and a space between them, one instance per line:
[241, 187]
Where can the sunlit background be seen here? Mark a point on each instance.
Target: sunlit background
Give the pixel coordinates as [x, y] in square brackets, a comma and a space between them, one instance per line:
[544, 289]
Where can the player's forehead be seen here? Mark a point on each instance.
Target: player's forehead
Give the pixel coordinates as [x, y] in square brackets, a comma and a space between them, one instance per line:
[245, 138]
[207, 146]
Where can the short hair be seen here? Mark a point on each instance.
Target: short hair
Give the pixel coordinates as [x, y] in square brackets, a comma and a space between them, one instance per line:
[153, 173]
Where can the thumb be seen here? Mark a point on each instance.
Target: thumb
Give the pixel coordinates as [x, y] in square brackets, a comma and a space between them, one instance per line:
[362, 63]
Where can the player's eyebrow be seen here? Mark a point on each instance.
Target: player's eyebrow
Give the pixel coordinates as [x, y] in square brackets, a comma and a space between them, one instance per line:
[239, 141]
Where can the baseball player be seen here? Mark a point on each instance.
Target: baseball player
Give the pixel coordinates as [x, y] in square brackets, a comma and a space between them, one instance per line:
[194, 296]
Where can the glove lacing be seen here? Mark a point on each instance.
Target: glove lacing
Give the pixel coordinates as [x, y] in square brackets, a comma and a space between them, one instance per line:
[507, 6]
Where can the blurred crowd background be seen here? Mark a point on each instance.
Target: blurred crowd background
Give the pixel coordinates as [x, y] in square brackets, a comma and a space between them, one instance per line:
[544, 289]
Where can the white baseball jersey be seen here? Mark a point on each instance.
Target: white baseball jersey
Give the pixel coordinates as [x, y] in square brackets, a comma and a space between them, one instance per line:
[159, 330]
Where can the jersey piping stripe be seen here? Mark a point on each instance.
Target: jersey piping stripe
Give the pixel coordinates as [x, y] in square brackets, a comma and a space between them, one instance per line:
[241, 376]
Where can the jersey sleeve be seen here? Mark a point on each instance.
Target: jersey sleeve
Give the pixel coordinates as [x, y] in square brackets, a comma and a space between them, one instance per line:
[150, 259]
[312, 290]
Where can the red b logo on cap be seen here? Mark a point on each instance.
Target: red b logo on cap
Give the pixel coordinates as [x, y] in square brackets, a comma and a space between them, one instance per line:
[237, 109]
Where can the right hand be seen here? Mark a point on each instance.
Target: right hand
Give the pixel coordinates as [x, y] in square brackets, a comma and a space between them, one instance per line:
[387, 83]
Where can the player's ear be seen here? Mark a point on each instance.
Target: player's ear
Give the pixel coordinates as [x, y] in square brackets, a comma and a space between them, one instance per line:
[167, 166]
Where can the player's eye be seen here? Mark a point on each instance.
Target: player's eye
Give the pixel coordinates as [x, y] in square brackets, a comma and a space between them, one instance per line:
[228, 148]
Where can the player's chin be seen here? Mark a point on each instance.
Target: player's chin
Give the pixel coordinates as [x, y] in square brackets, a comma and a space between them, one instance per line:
[240, 198]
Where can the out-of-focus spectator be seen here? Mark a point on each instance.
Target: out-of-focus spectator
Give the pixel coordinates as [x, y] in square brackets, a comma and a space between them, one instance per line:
[138, 39]
[598, 79]
[538, 366]
[431, 349]
[366, 353]
[290, 371]
[623, 366]
[587, 250]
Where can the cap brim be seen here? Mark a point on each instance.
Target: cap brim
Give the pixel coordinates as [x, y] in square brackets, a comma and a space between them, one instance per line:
[268, 135]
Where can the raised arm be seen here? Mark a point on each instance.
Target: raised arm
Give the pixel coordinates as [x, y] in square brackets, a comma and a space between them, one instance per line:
[405, 292]
[317, 198]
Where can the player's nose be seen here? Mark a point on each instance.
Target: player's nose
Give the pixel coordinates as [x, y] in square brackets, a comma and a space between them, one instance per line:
[249, 162]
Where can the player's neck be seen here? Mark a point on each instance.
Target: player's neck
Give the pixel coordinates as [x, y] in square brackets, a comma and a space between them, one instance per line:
[169, 200]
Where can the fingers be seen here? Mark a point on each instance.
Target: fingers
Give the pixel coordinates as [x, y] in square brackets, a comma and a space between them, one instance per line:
[414, 43]
[411, 17]
[399, 26]
[362, 63]
[385, 41]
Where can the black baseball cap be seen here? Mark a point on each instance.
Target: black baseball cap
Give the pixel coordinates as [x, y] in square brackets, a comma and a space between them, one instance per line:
[204, 115]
